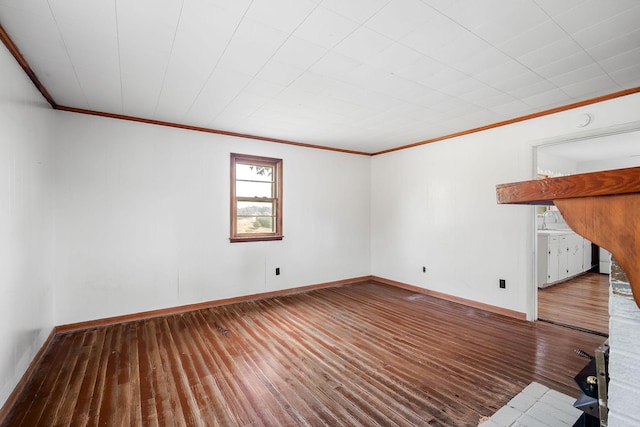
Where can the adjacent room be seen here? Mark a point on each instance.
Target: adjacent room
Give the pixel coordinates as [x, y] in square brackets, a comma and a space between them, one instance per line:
[579, 296]
[284, 212]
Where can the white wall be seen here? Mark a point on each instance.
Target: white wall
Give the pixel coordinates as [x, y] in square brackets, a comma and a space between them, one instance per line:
[602, 165]
[142, 219]
[434, 205]
[552, 166]
[25, 223]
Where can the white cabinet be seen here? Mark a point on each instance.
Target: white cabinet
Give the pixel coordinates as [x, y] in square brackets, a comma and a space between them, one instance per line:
[575, 251]
[561, 255]
[548, 258]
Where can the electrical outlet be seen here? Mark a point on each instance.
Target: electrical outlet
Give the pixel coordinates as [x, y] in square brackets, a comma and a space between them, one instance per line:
[277, 271]
[424, 269]
[503, 284]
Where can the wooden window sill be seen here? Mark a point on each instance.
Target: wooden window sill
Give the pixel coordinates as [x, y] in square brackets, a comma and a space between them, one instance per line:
[255, 239]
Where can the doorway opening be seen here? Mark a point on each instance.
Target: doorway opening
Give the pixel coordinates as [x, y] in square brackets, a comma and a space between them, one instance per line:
[572, 274]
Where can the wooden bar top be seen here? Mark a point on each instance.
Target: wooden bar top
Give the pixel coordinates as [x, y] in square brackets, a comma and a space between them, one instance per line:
[545, 191]
[603, 207]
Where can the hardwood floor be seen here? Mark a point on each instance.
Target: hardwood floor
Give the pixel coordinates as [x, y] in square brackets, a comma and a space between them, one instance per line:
[582, 302]
[362, 354]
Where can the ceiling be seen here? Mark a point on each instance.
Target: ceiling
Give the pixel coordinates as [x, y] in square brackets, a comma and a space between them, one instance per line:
[360, 75]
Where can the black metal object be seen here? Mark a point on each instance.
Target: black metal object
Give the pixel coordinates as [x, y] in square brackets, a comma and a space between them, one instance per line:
[593, 380]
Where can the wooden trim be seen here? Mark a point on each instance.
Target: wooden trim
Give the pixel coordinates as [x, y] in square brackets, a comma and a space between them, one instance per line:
[452, 298]
[203, 129]
[517, 119]
[18, 389]
[545, 191]
[13, 49]
[202, 305]
[255, 239]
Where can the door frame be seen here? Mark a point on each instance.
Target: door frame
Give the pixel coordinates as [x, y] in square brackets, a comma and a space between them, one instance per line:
[532, 305]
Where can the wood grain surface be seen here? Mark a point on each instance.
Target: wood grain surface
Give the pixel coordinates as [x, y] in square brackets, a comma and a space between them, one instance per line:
[611, 222]
[582, 302]
[360, 354]
[545, 191]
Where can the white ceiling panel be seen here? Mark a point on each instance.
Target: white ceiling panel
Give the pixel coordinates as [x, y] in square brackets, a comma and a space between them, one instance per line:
[423, 70]
[459, 49]
[566, 65]
[399, 17]
[508, 109]
[533, 38]
[590, 87]
[334, 65]
[592, 12]
[279, 73]
[299, 53]
[393, 58]
[429, 38]
[620, 62]
[480, 61]
[552, 52]
[612, 28]
[555, 7]
[222, 88]
[578, 75]
[325, 28]
[62, 78]
[487, 97]
[531, 87]
[190, 64]
[284, 15]
[33, 7]
[545, 99]
[614, 47]
[90, 35]
[445, 77]
[146, 31]
[509, 19]
[362, 44]
[362, 75]
[627, 77]
[460, 86]
[503, 74]
[356, 10]
[252, 45]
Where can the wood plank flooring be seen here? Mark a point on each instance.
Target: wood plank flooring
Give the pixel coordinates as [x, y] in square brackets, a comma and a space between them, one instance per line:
[582, 302]
[361, 354]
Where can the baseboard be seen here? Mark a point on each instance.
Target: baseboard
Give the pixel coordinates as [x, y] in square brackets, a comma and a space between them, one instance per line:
[214, 303]
[447, 297]
[17, 390]
[199, 306]
[11, 400]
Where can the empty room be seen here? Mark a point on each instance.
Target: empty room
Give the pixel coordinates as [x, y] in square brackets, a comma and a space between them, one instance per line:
[319, 212]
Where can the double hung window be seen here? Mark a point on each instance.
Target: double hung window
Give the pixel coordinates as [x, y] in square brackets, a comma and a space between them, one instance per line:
[256, 198]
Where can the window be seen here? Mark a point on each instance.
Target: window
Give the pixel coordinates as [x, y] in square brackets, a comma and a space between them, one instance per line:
[256, 198]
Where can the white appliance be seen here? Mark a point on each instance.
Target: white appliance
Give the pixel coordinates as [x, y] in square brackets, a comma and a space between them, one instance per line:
[605, 261]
